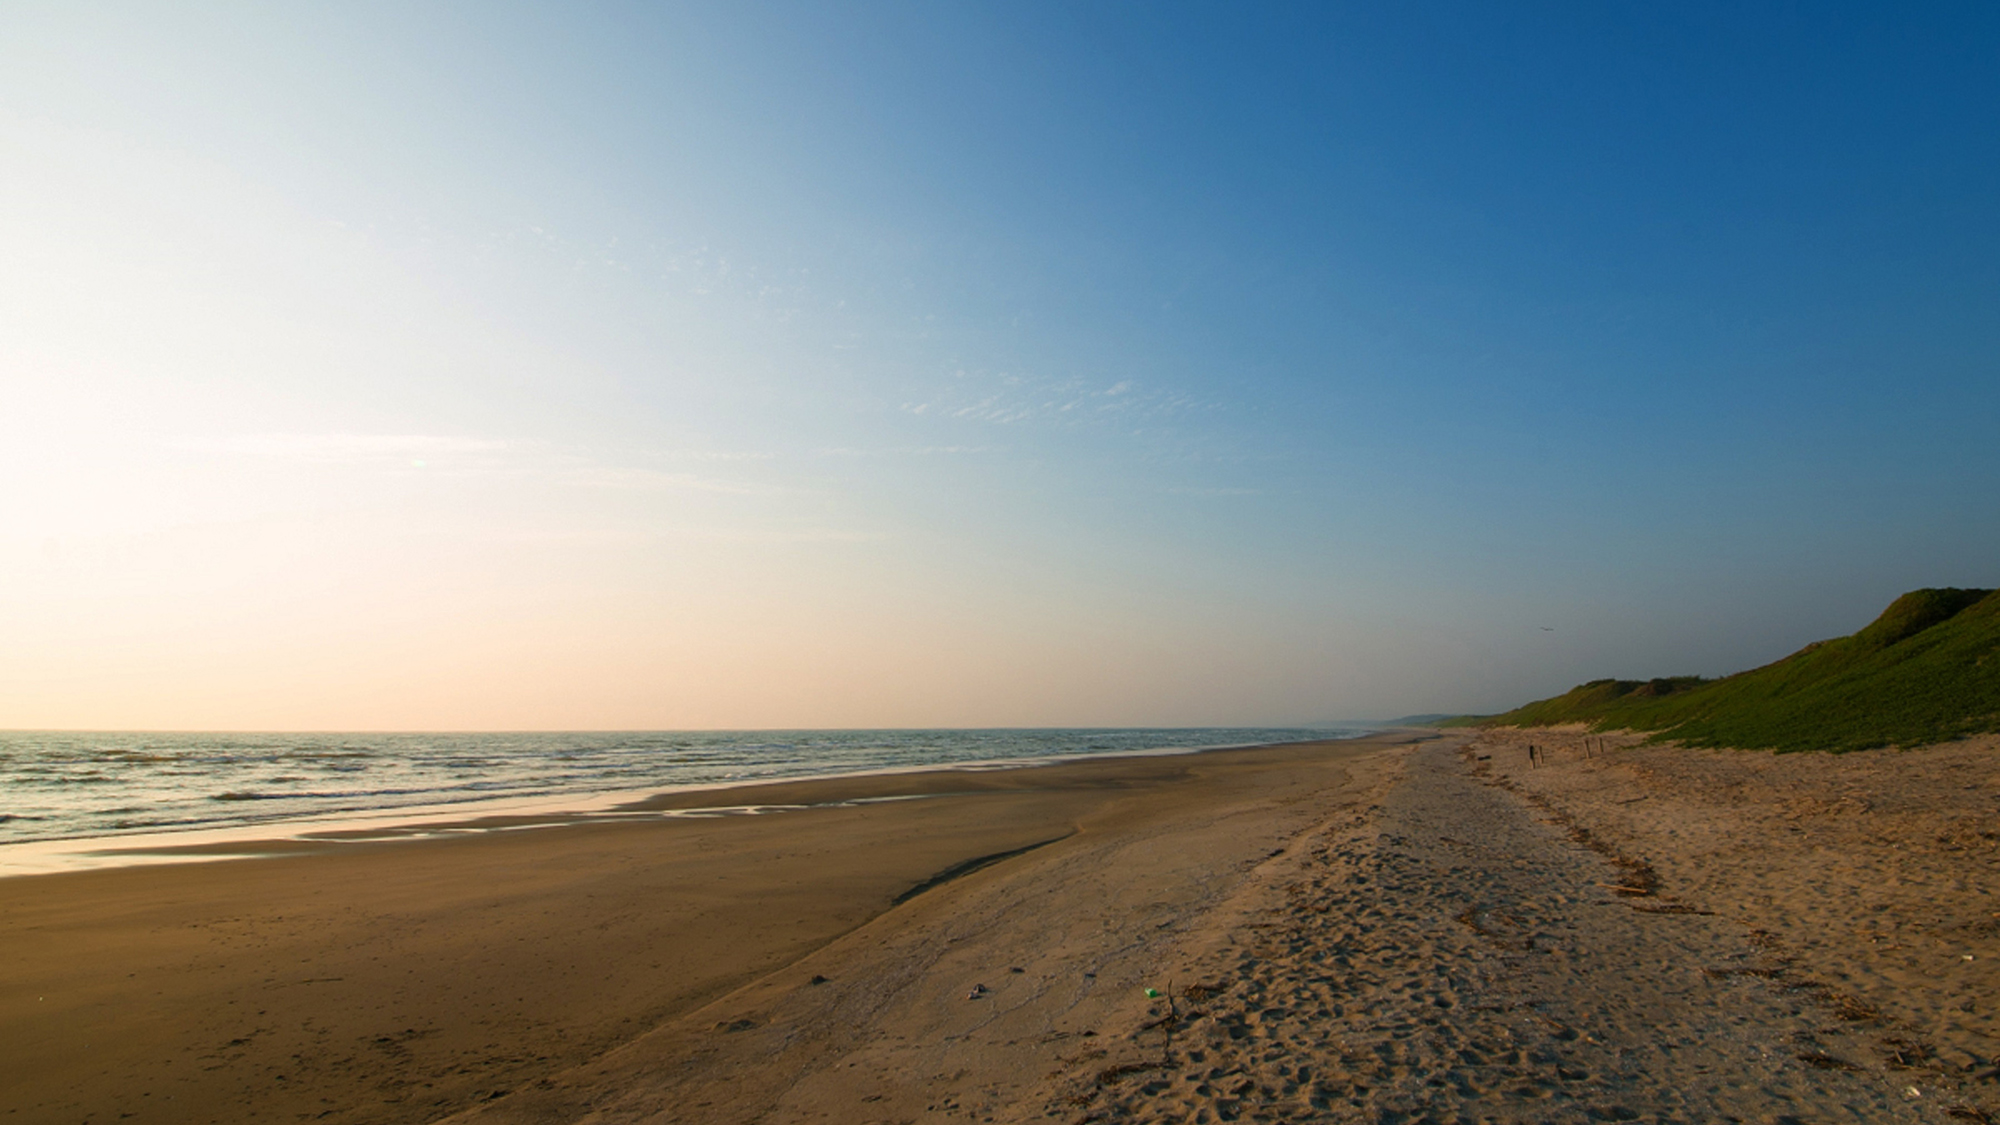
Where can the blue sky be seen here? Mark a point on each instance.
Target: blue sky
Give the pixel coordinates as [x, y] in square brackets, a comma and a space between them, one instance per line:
[794, 365]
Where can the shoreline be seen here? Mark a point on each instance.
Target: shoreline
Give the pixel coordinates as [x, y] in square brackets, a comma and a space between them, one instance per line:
[319, 832]
[402, 980]
[1396, 926]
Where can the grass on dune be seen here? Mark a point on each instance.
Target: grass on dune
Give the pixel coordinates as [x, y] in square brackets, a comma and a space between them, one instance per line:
[1927, 670]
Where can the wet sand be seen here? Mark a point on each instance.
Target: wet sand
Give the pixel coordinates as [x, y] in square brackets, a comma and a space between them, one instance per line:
[1425, 941]
[400, 981]
[1409, 928]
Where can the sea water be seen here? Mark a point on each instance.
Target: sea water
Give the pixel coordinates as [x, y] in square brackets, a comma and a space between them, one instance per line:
[60, 785]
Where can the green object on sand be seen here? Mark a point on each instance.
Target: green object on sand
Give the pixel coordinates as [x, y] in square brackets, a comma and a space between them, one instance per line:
[1152, 994]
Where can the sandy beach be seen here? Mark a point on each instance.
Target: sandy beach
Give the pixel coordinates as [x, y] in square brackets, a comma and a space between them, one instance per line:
[1871, 881]
[402, 981]
[1406, 927]
[995, 563]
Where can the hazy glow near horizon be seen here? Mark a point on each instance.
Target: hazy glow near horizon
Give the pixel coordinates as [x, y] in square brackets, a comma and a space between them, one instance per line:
[363, 368]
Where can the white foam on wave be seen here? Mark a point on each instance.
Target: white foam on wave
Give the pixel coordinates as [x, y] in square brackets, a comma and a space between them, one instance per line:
[325, 830]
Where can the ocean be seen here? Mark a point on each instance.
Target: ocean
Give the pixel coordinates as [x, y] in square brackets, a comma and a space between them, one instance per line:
[64, 785]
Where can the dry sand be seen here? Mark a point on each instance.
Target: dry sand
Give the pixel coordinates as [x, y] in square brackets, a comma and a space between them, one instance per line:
[1382, 930]
[1871, 881]
[1461, 956]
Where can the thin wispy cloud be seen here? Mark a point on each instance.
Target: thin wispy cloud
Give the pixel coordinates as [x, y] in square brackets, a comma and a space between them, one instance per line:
[711, 455]
[344, 448]
[654, 480]
[912, 451]
[775, 535]
[478, 456]
[1008, 398]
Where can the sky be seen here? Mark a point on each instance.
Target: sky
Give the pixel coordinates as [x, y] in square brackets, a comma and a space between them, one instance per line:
[602, 366]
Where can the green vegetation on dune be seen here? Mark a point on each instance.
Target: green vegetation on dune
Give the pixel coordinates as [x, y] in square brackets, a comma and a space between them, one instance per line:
[1927, 670]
